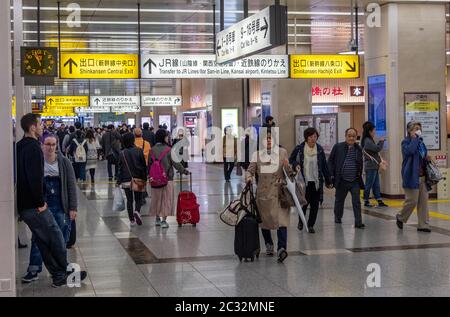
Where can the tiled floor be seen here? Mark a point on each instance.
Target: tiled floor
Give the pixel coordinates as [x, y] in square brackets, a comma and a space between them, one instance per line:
[188, 261]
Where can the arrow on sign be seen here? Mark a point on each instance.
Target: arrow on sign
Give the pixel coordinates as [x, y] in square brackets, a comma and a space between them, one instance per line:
[178, 100]
[352, 68]
[71, 63]
[50, 101]
[150, 62]
[265, 27]
[97, 101]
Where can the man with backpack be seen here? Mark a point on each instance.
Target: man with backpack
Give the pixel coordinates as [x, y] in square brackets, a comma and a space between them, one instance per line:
[78, 151]
[111, 144]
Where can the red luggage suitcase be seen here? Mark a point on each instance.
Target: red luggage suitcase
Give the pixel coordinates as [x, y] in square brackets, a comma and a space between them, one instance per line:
[188, 210]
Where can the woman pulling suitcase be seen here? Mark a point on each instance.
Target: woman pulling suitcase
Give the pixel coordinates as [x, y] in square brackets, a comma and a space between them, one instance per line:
[161, 179]
[269, 163]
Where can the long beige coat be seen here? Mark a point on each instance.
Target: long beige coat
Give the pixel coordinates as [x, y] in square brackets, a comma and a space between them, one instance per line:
[272, 215]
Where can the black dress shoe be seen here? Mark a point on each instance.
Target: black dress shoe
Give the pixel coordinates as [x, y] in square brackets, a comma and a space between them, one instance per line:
[424, 230]
[360, 226]
[399, 223]
[337, 221]
[311, 230]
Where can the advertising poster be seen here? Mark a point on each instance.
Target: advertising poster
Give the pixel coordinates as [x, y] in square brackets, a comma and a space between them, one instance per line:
[377, 103]
[166, 120]
[301, 124]
[266, 106]
[327, 126]
[424, 108]
[230, 119]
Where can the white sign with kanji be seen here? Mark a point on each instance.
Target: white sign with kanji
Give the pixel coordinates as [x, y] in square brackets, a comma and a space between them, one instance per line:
[117, 103]
[248, 36]
[205, 66]
[161, 101]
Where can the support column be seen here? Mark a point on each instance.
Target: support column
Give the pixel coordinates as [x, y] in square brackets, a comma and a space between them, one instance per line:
[409, 48]
[7, 217]
[23, 98]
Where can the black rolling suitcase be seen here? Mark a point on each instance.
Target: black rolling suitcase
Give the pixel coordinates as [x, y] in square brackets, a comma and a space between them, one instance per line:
[246, 237]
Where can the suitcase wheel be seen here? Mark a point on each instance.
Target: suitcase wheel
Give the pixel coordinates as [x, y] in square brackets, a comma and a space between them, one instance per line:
[240, 259]
[180, 225]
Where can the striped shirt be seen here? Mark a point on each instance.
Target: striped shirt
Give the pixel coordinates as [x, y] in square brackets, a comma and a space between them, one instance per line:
[350, 168]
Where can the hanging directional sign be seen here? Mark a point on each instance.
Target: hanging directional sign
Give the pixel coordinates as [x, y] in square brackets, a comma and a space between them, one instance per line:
[325, 66]
[126, 109]
[66, 101]
[99, 66]
[205, 66]
[158, 101]
[63, 106]
[120, 104]
[262, 31]
[97, 109]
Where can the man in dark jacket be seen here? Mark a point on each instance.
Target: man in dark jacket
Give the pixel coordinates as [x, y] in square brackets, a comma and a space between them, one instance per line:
[31, 203]
[346, 165]
[111, 148]
[148, 134]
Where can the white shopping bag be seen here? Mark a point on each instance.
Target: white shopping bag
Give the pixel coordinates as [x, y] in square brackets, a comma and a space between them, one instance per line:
[119, 201]
[291, 187]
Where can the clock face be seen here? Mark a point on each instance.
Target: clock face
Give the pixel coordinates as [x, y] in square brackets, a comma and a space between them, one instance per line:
[39, 62]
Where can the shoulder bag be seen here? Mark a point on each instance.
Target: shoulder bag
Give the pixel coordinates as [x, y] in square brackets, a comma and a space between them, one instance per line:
[136, 185]
[383, 164]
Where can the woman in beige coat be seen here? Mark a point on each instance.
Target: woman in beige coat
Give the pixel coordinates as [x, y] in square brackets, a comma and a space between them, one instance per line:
[269, 163]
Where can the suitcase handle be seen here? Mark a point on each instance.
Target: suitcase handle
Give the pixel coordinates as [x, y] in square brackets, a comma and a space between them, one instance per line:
[181, 181]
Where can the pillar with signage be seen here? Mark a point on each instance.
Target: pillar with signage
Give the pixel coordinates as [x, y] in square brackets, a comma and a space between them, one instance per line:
[405, 64]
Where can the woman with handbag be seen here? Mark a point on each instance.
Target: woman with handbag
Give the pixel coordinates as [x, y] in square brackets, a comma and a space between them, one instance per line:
[372, 163]
[309, 159]
[415, 160]
[268, 163]
[132, 177]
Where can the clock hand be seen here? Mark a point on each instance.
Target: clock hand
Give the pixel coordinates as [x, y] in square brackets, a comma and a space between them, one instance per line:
[37, 58]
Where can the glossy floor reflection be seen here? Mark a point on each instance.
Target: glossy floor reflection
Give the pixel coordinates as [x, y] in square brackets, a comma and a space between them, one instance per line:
[188, 261]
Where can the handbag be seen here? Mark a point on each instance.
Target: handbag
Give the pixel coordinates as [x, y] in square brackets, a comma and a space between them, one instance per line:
[434, 175]
[284, 196]
[137, 185]
[383, 164]
[239, 208]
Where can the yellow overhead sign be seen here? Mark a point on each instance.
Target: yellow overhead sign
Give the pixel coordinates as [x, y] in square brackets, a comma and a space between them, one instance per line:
[63, 106]
[99, 66]
[324, 66]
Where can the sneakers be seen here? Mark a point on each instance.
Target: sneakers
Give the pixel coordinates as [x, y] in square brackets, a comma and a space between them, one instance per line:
[269, 249]
[367, 204]
[63, 281]
[382, 204]
[30, 277]
[311, 230]
[137, 218]
[360, 226]
[282, 255]
[164, 224]
[133, 224]
[424, 230]
[158, 222]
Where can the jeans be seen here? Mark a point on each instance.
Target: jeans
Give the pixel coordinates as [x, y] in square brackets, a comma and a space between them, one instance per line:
[282, 237]
[227, 169]
[64, 224]
[372, 182]
[92, 172]
[137, 199]
[116, 169]
[313, 199]
[341, 193]
[80, 171]
[49, 239]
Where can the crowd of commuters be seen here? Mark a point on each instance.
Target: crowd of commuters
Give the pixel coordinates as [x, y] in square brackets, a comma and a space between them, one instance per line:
[51, 161]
